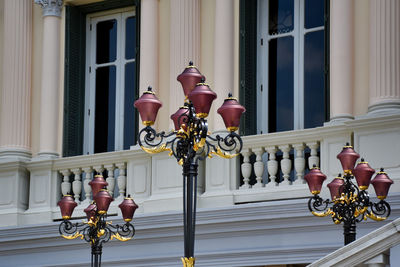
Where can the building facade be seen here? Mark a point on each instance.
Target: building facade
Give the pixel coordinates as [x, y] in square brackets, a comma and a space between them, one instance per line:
[312, 75]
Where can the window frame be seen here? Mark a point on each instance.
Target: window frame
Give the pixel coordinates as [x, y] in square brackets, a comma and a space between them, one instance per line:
[120, 15]
[262, 80]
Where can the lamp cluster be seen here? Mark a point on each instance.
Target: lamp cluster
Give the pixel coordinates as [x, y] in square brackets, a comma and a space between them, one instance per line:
[190, 119]
[349, 203]
[190, 140]
[96, 229]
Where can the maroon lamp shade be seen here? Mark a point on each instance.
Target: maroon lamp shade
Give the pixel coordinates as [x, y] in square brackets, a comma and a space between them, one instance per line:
[128, 207]
[231, 111]
[348, 158]
[97, 184]
[363, 173]
[336, 187]
[148, 106]
[315, 179]
[103, 201]
[381, 184]
[202, 97]
[67, 206]
[90, 211]
[189, 78]
[178, 119]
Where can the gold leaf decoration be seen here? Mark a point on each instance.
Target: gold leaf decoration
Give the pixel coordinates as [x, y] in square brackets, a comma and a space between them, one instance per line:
[188, 262]
[375, 217]
[76, 235]
[323, 214]
[156, 150]
[223, 154]
[120, 238]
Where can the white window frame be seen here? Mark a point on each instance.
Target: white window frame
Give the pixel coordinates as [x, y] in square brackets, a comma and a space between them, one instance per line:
[120, 15]
[263, 38]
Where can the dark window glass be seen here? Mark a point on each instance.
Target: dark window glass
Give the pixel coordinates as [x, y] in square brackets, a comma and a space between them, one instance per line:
[314, 13]
[281, 15]
[280, 78]
[314, 91]
[130, 38]
[104, 129]
[106, 43]
[129, 115]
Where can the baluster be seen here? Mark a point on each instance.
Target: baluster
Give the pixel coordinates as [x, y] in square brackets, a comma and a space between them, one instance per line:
[259, 167]
[299, 163]
[246, 169]
[121, 180]
[77, 184]
[272, 165]
[110, 179]
[286, 163]
[98, 169]
[313, 159]
[65, 185]
[86, 186]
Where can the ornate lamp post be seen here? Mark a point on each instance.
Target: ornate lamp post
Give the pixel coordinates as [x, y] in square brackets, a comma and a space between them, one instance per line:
[96, 229]
[190, 142]
[349, 203]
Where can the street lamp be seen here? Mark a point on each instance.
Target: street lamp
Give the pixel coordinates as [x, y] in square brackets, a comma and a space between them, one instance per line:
[97, 230]
[190, 141]
[350, 204]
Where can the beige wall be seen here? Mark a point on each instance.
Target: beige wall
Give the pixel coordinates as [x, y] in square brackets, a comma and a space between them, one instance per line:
[1, 41]
[361, 57]
[37, 37]
[164, 48]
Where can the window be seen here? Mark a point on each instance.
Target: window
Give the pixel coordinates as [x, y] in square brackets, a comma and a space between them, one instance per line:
[286, 76]
[100, 79]
[110, 82]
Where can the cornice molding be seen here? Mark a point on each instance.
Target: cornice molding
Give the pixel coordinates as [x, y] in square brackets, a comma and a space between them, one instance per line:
[50, 7]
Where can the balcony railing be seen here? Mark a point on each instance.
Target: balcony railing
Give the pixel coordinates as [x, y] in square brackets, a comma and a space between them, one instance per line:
[272, 166]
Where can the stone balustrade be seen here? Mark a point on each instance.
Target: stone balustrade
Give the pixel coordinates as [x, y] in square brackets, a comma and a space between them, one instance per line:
[270, 167]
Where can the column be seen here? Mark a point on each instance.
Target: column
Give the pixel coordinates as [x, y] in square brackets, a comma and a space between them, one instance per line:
[149, 45]
[384, 78]
[184, 46]
[341, 60]
[16, 85]
[223, 56]
[49, 105]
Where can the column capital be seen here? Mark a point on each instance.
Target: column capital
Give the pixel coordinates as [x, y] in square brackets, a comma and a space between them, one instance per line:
[50, 7]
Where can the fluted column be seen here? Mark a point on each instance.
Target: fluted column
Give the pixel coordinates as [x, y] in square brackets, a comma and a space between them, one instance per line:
[50, 77]
[16, 85]
[223, 56]
[149, 45]
[384, 78]
[341, 60]
[184, 45]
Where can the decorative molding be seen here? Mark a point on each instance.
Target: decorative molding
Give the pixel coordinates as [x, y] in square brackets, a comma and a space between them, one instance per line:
[229, 236]
[50, 7]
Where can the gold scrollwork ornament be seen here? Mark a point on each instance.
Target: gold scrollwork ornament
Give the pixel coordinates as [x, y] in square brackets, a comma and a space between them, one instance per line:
[156, 150]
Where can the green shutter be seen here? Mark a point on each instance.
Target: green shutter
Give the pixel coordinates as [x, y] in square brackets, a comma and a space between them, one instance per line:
[248, 65]
[74, 82]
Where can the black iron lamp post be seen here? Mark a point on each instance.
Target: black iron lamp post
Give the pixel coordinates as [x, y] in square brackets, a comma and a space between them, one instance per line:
[349, 203]
[191, 141]
[97, 230]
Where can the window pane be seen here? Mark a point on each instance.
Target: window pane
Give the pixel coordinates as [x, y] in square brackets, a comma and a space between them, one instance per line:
[130, 45]
[314, 91]
[106, 43]
[129, 111]
[104, 129]
[314, 13]
[281, 15]
[280, 78]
